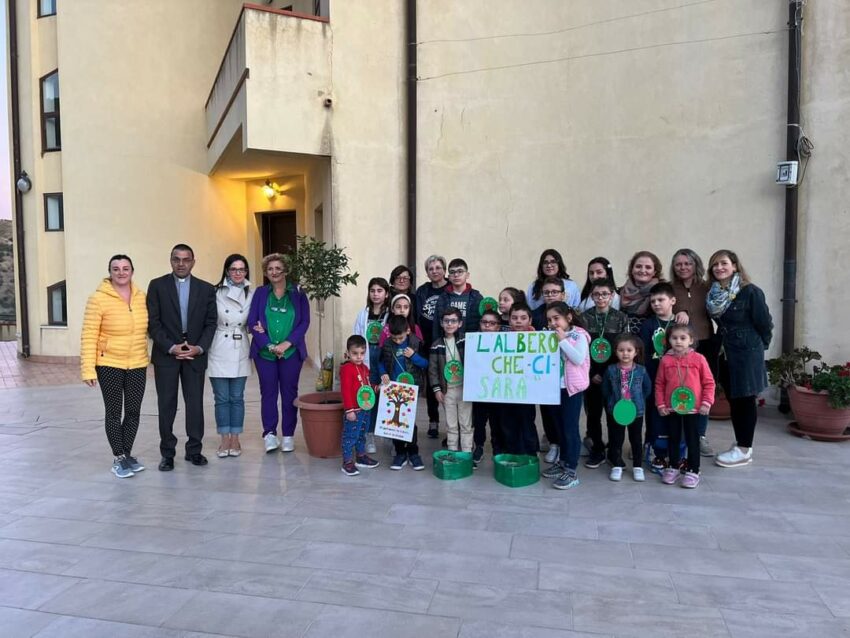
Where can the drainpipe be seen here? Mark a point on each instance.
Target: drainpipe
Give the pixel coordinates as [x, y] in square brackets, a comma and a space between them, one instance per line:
[410, 35]
[23, 317]
[789, 271]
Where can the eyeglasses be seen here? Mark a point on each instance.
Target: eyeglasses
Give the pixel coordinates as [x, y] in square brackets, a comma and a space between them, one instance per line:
[457, 271]
[236, 271]
[552, 293]
[402, 278]
[489, 322]
[600, 295]
[550, 262]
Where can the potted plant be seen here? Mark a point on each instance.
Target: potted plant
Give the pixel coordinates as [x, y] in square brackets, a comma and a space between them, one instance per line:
[321, 271]
[820, 399]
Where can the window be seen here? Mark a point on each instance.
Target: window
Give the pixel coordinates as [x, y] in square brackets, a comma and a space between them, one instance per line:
[54, 215]
[46, 8]
[50, 136]
[57, 305]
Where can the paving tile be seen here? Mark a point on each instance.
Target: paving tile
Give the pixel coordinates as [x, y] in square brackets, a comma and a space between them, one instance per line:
[748, 624]
[142, 568]
[819, 524]
[251, 549]
[74, 627]
[633, 585]
[23, 623]
[486, 629]
[836, 597]
[508, 573]
[356, 532]
[129, 603]
[572, 551]
[39, 557]
[147, 539]
[667, 534]
[348, 622]
[518, 606]
[457, 541]
[437, 517]
[786, 543]
[358, 558]
[366, 590]
[51, 530]
[692, 560]
[543, 525]
[833, 571]
[29, 590]
[252, 579]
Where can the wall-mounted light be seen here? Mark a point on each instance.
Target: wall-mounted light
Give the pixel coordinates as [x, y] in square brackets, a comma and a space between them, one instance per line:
[24, 184]
[272, 189]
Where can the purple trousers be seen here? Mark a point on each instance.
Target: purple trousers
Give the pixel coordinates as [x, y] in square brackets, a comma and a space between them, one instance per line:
[278, 378]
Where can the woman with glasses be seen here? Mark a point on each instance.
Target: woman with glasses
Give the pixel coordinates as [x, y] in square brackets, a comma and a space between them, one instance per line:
[278, 320]
[551, 264]
[229, 364]
[401, 283]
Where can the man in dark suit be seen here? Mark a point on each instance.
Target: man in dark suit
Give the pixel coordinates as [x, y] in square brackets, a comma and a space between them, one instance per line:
[181, 321]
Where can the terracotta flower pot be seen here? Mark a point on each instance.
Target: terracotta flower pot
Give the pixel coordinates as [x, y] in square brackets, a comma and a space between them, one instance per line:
[720, 409]
[321, 422]
[814, 416]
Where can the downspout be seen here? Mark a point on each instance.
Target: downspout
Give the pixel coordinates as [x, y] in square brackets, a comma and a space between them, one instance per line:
[410, 35]
[23, 317]
[789, 270]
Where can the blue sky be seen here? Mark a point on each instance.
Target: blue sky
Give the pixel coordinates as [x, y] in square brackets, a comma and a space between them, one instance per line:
[5, 151]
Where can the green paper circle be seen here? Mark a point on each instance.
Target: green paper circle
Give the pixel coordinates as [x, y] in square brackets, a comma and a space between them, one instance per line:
[659, 341]
[488, 303]
[406, 377]
[683, 400]
[373, 331]
[453, 371]
[366, 397]
[600, 350]
[625, 412]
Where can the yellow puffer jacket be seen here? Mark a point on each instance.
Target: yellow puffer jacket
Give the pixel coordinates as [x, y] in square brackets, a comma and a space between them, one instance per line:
[114, 334]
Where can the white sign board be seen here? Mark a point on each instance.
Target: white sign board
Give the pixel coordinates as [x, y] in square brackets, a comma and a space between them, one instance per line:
[512, 367]
[397, 411]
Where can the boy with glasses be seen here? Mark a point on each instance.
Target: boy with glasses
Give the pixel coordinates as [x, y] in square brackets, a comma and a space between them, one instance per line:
[459, 294]
[552, 292]
[445, 371]
[482, 412]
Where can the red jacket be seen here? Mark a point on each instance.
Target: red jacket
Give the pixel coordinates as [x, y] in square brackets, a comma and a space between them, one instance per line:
[350, 383]
[695, 374]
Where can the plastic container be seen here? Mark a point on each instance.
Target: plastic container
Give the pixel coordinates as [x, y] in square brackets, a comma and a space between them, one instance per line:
[450, 466]
[516, 470]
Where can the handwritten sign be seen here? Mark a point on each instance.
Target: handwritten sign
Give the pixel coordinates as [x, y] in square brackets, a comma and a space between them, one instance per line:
[512, 367]
[397, 411]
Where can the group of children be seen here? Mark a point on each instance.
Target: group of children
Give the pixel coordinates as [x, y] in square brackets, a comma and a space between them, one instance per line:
[655, 376]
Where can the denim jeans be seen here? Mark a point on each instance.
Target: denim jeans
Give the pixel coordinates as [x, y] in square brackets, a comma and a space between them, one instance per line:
[229, 404]
[570, 437]
[354, 434]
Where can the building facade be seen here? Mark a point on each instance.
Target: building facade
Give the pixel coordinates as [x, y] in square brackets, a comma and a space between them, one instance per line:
[595, 128]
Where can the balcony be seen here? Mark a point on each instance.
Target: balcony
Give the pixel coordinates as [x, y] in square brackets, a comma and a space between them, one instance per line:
[271, 88]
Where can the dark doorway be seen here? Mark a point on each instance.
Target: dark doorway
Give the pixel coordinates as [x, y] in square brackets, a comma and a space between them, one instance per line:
[279, 232]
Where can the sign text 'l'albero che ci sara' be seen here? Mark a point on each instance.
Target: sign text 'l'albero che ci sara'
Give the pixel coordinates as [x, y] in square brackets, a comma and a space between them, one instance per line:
[512, 367]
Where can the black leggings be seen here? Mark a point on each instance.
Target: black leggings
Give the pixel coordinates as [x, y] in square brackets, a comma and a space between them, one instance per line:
[743, 410]
[122, 390]
[677, 424]
[616, 436]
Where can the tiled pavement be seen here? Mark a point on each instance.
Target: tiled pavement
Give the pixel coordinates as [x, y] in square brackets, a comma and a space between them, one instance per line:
[285, 545]
[23, 373]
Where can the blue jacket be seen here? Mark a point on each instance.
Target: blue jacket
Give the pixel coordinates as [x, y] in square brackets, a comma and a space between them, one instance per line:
[641, 387]
[257, 313]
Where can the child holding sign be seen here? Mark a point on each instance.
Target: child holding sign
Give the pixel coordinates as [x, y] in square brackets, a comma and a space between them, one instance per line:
[369, 325]
[445, 371]
[401, 361]
[684, 389]
[519, 432]
[625, 387]
[574, 345]
[358, 399]
[507, 298]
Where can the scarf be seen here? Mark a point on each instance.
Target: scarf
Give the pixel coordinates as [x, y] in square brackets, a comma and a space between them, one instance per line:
[719, 298]
[634, 299]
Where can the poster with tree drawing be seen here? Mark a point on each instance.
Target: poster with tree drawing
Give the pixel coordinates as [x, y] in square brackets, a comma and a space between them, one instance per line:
[397, 411]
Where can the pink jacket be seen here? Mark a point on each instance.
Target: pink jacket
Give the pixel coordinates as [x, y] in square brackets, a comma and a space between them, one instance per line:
[695, 375]
[575, 352]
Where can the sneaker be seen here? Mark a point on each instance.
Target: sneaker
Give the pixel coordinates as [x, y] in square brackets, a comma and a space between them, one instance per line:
[416, 462]
[350, 469]
[690, 480]
[553, 454]
[399, 461]
[594, 460]
[659, 464]
[433, 430]
[616, 474]
[288, 444]
[705, 448]
[477, 455]
[734, 457]
[567, 480]
[121, 468]
[135, 465]
[370, 444]
[271, 442]
[554, 471]
[638, 475]
[367, 462]
[670, 475]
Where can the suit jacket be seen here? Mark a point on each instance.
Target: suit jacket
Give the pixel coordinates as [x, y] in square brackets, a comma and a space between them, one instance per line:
[164, 324]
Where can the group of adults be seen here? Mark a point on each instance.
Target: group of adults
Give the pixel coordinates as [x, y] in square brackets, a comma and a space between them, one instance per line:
[197, 329]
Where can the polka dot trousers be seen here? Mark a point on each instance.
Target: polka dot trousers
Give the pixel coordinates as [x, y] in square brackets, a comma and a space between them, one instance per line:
[122, 389]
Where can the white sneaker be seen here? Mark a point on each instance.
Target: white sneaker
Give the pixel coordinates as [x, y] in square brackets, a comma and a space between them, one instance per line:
[271, 442]
[616, 473]
[288, 444]
[370, 444]
[734, 457]
[638, 474]
[553, 454]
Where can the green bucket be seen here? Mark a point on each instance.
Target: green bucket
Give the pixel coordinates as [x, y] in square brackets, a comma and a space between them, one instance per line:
[516, 470]
[450, 466]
